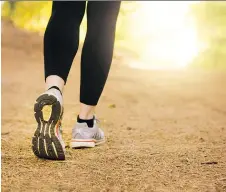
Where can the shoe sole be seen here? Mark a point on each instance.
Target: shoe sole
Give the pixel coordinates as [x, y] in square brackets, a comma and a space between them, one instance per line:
[45, 143]
[84, 143]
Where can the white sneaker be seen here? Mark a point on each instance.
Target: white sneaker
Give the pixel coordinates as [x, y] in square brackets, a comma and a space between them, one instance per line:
[83, 136]
[47, 141]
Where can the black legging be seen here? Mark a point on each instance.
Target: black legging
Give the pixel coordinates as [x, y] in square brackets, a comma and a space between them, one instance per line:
[61, 43]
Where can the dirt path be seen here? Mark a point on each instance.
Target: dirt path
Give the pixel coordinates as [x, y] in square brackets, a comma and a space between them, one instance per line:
[164, 130]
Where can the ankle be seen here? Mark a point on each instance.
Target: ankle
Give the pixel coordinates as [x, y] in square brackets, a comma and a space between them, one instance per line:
[54, 80]
[86, 111]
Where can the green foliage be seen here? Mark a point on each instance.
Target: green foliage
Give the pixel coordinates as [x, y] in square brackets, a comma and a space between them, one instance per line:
[34, 15]
[210, 19]
[29, 15]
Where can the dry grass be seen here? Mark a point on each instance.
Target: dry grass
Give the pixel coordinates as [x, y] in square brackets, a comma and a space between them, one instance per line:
[163, 127]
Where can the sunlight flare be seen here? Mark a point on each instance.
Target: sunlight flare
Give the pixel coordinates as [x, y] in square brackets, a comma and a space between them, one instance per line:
[166, 34]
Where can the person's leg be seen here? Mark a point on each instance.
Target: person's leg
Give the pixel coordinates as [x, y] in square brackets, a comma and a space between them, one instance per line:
[97, 53]
[95, 64]
[61, 42]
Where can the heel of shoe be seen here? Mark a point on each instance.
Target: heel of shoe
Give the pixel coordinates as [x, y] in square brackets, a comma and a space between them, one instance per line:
[80, 143]
[45, 143]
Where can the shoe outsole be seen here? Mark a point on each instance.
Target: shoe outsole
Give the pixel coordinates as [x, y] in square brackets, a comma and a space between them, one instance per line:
[80, 143]
[45, 143]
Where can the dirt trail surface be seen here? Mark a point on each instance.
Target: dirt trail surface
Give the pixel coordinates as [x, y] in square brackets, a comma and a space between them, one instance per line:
[166, 130]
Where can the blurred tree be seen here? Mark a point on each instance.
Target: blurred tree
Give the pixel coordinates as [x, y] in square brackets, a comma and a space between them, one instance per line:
[210, 19]
[34, 15]
[12, 4]
[29, 15]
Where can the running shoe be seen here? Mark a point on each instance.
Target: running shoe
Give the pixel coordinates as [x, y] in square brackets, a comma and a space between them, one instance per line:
[86, 137]
[47, 142]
